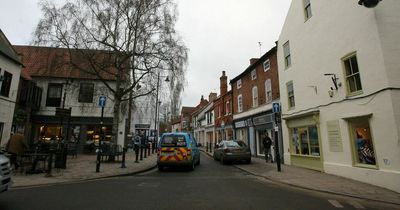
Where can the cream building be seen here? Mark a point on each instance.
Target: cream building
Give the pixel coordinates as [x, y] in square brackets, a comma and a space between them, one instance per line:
[339, 73]
[10, 70]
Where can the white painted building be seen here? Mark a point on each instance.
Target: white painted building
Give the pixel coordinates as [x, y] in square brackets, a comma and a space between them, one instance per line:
[10, 70]
[340, 89]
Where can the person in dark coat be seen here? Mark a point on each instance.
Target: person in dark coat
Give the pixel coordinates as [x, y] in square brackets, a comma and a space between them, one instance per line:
[267, 142]
[16, 146]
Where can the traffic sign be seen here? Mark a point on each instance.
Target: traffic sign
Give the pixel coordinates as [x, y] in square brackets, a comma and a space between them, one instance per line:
[276, 107]
[102, 101]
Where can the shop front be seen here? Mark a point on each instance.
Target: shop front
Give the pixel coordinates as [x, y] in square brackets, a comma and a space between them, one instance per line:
[241, 131]
[263, 124]
[83, 131]
[305, 142]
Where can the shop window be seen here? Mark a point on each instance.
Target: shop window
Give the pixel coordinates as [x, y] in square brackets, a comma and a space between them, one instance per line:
[50, 132]
[305, 141]
[54, 93]
[86, 93]
[93, 134]
[6, 84]
[363, 147]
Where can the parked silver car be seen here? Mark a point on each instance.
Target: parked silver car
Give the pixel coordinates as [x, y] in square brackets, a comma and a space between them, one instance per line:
[232, 150]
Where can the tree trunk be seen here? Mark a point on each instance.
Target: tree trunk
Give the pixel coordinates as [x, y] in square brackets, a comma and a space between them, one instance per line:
[117, 105]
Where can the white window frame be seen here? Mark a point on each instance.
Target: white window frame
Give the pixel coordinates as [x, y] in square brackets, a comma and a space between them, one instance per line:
[227, 108]
[290, 94]
[254, 92]
[286, 54]
[267, 65]
[268, 90]
[239, 84]
[240, 103]
[253, 74]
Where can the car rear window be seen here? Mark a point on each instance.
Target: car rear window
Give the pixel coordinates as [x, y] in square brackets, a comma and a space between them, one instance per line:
[232, 144]
[173, 141]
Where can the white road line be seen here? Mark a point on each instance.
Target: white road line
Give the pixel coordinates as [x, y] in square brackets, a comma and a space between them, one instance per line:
[335, 203]
[355, 204]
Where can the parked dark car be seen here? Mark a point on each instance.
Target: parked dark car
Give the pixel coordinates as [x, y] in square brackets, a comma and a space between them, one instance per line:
[232, 150]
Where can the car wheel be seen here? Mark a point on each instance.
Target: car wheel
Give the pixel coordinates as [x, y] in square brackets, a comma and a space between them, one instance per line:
[222, 160]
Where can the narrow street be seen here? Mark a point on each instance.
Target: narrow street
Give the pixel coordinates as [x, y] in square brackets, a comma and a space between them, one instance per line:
[210, 186]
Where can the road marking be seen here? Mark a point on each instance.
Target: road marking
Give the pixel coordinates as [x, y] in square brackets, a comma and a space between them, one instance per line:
[335, 203]
[355, 204]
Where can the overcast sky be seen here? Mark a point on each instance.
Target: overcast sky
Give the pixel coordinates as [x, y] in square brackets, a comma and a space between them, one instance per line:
[222, 35]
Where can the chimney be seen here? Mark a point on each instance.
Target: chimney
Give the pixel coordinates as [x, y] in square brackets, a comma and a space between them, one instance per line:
[202, 98]
[223, 86]
[212, 96]
[253, 60]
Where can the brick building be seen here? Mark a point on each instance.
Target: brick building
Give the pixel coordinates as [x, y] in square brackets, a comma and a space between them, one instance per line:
[223, 111]
[253, 92]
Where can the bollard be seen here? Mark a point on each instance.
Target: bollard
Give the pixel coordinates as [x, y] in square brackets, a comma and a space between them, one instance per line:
[145, 151]
[141, 152]
[153, 146]
[123, 157]
[98, 159]
[137, 153]
[206, 146]
[210, 147]
[148, 151]
[50, 163]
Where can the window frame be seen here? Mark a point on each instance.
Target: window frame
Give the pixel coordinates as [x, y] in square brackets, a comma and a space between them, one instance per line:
[82, 95]
[296, 144]
[6, 84]
[290, 105]
[240, 103]
[287, 55]
[239, 83]
[352, 123]
[227, 108]
[53, 101]
[254, 96]
[268, 91]
[253, 74]
[356, 77]
[269, 65]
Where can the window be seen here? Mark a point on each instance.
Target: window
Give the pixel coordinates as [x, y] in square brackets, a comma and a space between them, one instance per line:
[253, 74]
[227, 108]
[86, 93]
[266, 65]
[255, 96]
[307, 9]
[290, 93]
[240, 103]
[219, 111]
[268, 90]
[352, 74]
[239, 84]
[363, 147]
[6, 84]
[54, 92]
[305, 141]
[286, 54]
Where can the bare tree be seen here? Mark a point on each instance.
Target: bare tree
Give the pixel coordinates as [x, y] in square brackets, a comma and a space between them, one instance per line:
[128, 40]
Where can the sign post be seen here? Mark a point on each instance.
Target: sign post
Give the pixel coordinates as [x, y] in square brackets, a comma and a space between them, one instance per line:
[102, 104]
[276, 108]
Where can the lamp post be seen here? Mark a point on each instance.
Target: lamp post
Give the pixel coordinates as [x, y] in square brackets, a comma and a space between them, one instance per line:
[155, 140]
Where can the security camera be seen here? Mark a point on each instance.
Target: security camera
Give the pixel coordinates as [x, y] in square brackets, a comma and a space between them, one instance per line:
[369, 3]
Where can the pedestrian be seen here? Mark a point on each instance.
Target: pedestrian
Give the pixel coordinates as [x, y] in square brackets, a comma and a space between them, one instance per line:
[16, 147]
[267, 142]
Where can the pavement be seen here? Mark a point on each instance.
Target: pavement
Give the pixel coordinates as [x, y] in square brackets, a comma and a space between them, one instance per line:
[83, 168]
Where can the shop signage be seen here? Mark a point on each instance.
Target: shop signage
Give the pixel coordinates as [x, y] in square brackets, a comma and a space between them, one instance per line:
[264, 119]
[334, 136]
[276, 107]
[142, 126]
[60, 112]
[240, 124]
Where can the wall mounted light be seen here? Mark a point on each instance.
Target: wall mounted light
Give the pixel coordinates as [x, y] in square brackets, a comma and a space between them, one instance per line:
[334, 80]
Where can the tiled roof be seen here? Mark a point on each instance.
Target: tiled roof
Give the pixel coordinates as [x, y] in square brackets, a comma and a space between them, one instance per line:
[187, 110]
[55, 62]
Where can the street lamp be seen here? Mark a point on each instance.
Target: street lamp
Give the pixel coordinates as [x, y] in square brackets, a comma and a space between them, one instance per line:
[155, 140]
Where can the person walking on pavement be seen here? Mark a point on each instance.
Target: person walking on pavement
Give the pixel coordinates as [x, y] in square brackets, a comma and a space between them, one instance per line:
[267, 142]
[16, 146]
